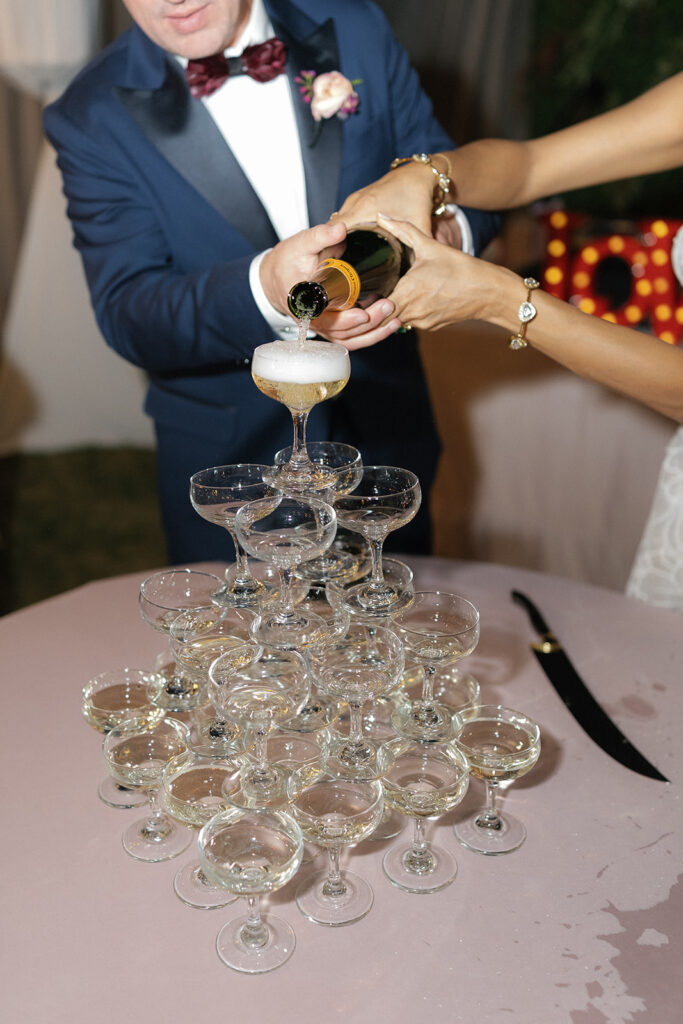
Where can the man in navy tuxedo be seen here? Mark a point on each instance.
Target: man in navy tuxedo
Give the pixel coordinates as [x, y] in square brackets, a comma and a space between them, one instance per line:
[192, 217]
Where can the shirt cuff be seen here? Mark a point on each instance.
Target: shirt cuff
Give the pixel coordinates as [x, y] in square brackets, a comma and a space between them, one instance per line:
[465, 229]
[282, 326]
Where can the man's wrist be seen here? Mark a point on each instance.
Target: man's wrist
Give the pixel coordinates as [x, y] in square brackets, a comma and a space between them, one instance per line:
[281, 324]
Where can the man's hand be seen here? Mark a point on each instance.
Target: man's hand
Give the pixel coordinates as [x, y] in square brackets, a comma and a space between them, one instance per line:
[297, 258]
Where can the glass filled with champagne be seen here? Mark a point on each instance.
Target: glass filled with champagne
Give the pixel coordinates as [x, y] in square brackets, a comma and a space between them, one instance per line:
[301, 373]
[501, 745]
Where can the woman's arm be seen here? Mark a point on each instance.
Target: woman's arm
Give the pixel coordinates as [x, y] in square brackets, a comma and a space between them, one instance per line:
[446, 286]
[640, 137]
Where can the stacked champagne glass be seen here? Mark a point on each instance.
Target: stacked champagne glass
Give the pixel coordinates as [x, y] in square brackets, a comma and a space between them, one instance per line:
[318, 690]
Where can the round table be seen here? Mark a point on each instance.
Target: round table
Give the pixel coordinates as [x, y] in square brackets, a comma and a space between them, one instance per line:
[584, 923]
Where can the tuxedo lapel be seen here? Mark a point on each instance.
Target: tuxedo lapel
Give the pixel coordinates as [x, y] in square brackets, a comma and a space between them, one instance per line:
[186, 135]
[321, 142]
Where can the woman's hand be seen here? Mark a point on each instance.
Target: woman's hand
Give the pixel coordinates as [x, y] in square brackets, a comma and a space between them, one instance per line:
[444, 285]
[406, 192]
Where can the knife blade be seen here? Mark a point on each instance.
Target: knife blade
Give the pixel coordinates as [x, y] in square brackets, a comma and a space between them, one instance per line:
[595, 722]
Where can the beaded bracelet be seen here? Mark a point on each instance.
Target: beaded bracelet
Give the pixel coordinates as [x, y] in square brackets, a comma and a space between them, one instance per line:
[526, 313]
[444, 183]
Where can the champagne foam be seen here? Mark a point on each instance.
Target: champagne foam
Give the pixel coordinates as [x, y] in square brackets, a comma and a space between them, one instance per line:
[307, 363]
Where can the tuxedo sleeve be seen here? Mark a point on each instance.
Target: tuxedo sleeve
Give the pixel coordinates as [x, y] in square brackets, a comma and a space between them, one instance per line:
[152, 308]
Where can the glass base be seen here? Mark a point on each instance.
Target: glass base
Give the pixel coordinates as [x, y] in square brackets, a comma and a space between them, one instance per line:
[273, 630]
[213, 737]
[441, 873]
[114, 795]
[252, 794]
[145, 843]
[247, 593]
[334, 911]
[193, 887]
[173, 692]
[398, 578]
[303, 477]
[361, 602]
[343, 761]
[424, 721]
[277, 950]
[318, 714]
[491, 841]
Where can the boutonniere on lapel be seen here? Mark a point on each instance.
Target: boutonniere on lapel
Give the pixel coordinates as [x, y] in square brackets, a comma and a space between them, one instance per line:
[330, 94]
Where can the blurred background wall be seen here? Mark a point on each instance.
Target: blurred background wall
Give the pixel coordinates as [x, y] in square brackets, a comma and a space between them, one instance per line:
[540, 468]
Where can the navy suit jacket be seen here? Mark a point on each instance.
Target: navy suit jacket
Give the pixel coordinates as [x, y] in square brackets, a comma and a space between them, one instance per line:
[167, 224]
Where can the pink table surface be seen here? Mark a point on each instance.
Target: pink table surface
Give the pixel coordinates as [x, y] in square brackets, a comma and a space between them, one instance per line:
[582, 924]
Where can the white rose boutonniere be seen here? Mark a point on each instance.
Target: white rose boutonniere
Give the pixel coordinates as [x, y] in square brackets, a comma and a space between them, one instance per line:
[330, 94]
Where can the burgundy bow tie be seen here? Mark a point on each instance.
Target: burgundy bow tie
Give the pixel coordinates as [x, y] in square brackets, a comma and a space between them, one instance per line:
[262, 63]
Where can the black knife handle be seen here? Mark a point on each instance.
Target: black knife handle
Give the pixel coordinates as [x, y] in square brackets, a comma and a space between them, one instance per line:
[537, 620]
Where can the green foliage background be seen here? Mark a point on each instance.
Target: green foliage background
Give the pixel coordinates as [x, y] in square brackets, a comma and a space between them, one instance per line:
[588, 56]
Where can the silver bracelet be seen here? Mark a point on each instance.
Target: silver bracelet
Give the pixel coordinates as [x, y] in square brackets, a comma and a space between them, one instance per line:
[526, 313]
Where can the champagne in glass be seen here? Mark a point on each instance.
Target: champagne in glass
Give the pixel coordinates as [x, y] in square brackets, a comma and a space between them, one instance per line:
[299, 374]
[251, 853]
[501, 745]
[120, 697]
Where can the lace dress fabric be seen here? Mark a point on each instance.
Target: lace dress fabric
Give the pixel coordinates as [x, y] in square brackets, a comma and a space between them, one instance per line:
[657, 572]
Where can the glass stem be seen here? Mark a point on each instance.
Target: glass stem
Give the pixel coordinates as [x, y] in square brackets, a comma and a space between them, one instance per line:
[489, 816]
[376, 556]
[334, 887]
[254, 933]
[355, 724]
[242, 573]
[419, 860]
[428, 684]
[262, 748]
[157, 826]
[286, 593]
[299, 457]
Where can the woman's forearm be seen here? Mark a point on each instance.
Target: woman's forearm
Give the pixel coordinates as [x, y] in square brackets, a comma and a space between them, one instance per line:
[631, 362]
[640, 137]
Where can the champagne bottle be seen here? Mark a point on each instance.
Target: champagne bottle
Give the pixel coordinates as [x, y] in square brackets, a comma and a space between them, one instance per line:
[368, 269]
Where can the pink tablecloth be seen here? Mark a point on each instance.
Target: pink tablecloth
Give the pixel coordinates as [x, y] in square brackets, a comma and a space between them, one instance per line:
[583, 924]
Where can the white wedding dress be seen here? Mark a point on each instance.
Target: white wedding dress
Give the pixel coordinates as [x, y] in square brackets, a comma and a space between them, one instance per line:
[657, 572]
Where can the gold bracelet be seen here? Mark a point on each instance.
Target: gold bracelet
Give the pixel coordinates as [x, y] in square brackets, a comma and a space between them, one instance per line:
[443, 184]
[526, 313]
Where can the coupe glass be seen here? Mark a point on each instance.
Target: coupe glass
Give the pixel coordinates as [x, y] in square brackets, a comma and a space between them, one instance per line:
[216, 494]
[501, 745]
[359, 667]
[300, 374]
[385, 499]
[113, 699]
[343, 560]
[287, 531]
[198, 637]
[319, 712]
[193, 790]
[261, 694]
[424, 781]
[252, 853]
[136, 758]
[163, 596]
[437, 628]
[334, 813]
